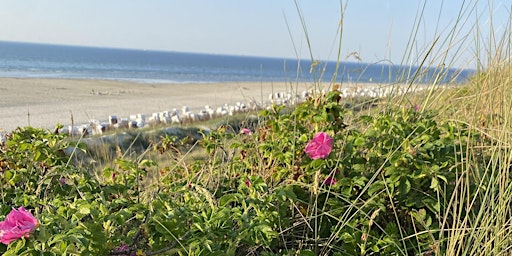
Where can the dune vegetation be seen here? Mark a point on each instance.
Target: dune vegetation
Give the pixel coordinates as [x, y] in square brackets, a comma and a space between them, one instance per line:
[422, 173]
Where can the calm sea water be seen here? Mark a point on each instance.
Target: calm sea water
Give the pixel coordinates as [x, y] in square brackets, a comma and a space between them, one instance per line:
[26, 60]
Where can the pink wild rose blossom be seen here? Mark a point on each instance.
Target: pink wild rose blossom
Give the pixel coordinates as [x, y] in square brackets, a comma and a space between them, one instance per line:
[245, 131]
[330, 181]
[18, 223]
[122, 248]
[320, 146]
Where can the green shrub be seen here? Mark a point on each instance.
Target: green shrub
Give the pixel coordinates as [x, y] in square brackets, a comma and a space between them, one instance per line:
[382, 187]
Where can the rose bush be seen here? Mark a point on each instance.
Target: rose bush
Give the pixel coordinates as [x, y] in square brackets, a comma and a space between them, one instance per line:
[377, 190]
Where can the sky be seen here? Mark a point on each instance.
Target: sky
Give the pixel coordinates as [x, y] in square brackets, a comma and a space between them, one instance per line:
[377, 30]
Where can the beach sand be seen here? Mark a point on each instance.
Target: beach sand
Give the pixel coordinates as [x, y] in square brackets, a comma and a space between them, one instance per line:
[43, 103]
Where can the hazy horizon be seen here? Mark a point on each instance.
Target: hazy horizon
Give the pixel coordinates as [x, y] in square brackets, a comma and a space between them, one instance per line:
[376, 30]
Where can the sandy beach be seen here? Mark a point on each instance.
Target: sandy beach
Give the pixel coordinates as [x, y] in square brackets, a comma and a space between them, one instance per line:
[46, 102]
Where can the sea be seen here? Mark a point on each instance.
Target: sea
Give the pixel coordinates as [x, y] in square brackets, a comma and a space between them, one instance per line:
[30, 60]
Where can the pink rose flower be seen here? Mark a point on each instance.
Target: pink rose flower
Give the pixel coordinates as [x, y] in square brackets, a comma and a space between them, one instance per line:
[320, 146]
[245, 131]
[18, 223]
[330, 181]
[122, 248]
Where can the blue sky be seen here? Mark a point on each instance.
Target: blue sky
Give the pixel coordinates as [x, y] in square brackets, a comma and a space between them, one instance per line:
[379, 30]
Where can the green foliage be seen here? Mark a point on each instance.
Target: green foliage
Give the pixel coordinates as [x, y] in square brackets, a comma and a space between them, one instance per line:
[82, 215]
[383, 189]
[398, 175]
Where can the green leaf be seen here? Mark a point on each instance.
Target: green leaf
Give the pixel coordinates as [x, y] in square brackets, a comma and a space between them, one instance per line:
[38, 156]
[375, 187]
[226, 199]
[318, 118]
[85, 209]
[147, 163]
[125, 164]
[442, 178]
[366, 118]
[63, 246]
[306, 253]
[317, 163]
[434, 183]
[8, 175]
[359, 141]
[405, 186]
[432, 205]
[56, 238]
[428, 222]
[285, 193]
[303, 138]
[360, 181]
[19, 244]
[42, 234]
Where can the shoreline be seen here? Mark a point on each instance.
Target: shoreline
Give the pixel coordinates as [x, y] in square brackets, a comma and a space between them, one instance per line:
[45, 102]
